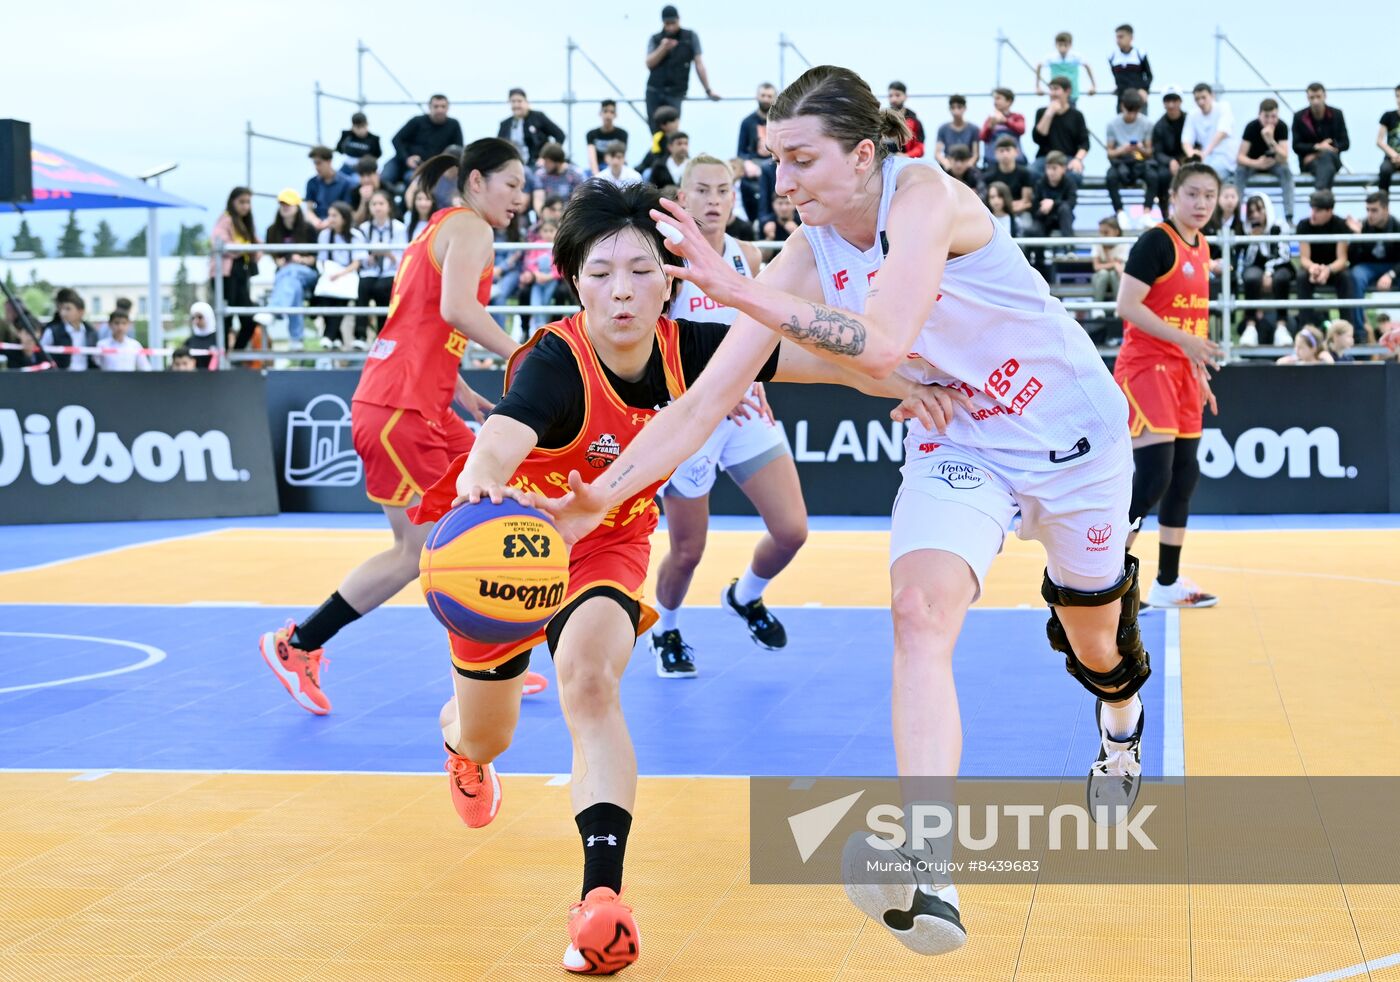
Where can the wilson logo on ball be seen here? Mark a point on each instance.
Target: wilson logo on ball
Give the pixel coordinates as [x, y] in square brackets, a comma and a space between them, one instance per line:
[529, 597]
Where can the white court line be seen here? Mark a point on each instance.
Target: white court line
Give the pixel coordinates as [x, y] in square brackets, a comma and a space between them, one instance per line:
[90, 776]
[1351, 971]
[1173, 732]
[107, 552]
[1303, 573]
[154, 656]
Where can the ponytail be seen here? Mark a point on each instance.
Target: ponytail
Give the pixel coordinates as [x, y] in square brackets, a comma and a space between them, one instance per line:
[487, 156]
[894, 128]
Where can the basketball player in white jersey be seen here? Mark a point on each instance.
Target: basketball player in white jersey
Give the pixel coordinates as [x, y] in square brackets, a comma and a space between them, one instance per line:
[752, 451]
[900, 268]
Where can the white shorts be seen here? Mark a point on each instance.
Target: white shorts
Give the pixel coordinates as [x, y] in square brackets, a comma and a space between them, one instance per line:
[957, 500]
[739, 450]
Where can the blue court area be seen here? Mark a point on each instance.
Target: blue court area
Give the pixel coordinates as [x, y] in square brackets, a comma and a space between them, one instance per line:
[203, 699]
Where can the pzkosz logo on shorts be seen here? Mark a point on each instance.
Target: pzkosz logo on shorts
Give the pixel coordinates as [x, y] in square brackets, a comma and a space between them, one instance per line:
[1098, 535]
[602, 451]
[960, 474]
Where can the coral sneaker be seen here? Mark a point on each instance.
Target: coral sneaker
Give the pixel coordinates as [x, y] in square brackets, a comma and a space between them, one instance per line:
[535, 683]
[603, 936]
[299, 671]
[475, 789]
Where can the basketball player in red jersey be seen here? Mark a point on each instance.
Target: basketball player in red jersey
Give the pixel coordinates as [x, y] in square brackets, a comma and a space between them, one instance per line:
[403, 425]
[576, 396]
[1163, 368]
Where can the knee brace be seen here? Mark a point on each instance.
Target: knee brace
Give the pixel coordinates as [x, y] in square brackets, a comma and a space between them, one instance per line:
[1128, 675]
[1186, 474]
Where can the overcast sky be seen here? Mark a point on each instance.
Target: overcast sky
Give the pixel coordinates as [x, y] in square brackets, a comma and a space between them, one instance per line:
[135, 86]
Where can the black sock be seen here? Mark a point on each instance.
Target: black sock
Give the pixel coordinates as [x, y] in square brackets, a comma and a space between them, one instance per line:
[603, 828]
[324, 623]
[1168, 564]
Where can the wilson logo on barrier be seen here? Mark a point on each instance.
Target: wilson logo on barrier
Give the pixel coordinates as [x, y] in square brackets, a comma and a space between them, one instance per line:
[1261, 453]
[70, 448]
[529, 597]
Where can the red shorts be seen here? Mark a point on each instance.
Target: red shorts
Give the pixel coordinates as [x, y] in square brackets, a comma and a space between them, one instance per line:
[1163, 397]
[404, 451]
[621, 565]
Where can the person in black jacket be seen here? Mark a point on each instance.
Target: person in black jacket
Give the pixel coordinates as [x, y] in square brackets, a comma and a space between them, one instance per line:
[420, 138]
[356, 143]
[670, 52]
[1319, 137]
[1167, 150]
[1059, 126]
[529, 129]
[68, 328]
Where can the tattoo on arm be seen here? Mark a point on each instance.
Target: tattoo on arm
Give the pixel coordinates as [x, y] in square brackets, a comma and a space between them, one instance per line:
[620, 476]
[828, 329]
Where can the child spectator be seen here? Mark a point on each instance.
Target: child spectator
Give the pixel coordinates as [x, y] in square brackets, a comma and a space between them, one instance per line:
[326, 186]
[68, 329]
[1060, 127]
[1388, 139]
[555, 177]
[1323, 264]
[235, 225]
[1319, 137]
[914, 146]
[1001, 122]
[1209, 134]
[957, 133]
[615, 169]
[1109, 260]
[1309, 348]
[1016, 176]
[1131, 72]
[368, 182]
[665, 122]
[540, 273]
[356, 143]
[421, 210]
[960, 167]
[384, 237]
[667, 172]
[784, 221]
[1264, 267]
[1264, 150]
[1054, 199]
[121, 352]
[182, 361]
[1064, 63]
[336, 265]
[296, 271]
[1129, 148]
[999, 204]
[601, 137]
[1341, 338]
[203, 335]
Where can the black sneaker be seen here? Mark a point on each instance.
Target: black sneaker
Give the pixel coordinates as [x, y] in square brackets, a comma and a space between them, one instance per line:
[673, 656]
[764, 628]
[1116, 777]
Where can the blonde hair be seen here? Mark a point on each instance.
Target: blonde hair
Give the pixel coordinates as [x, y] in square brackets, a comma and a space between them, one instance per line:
[1315, 338]
[702, 160]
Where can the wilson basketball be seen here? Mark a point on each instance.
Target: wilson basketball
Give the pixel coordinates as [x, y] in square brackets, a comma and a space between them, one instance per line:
[494, 574]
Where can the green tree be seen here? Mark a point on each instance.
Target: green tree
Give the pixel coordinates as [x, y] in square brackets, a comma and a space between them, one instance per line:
[70, 243]
[27, 241]
[186, 293]
[104, 240]
[136, 245]
[37, 295]
[193, 241]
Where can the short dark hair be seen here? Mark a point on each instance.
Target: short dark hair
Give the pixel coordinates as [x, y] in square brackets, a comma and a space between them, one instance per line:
[517, 92]
[321, 153]
[1202, 87]
[959, 151]
[678, 135]
[182, 352]
[1056, 159]
[899, 87]
[69, 295]
[615, 147]
[1268, 105]
[124, 303]
[1064, 36]
[957, 100]
[438, 95]
[1131, 100]
[1378, 198]
[1317, 87]
[118, 315]
[359, 119]
[553, 152]
[664, 115]
[599, 210]
[366, 165]
[552, 200]
[1062, 82]
[1005, 93]
[1005, 140]
[606, 103]
[1123, 27]
[1324, 200]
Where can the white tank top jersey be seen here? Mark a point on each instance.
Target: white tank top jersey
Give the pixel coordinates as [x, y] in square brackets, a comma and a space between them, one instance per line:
[692, 305]
[1039, 389]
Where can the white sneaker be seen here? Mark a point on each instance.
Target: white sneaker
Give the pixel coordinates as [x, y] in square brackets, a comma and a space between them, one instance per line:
[1249, 337]
[923, 916]
[1182, 593]
[361, 345]
[1116, 777]
[1282, 338]
[1125, 221]
[264, 319]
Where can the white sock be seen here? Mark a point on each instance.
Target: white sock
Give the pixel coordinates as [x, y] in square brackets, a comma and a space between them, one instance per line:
[668, 619]
[1121, 720]
[749, 588]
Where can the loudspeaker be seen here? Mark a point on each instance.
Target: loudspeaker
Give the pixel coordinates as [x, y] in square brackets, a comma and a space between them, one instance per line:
[16, 168]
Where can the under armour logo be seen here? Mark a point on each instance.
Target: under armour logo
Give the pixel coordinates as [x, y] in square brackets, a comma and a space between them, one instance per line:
[609, 839]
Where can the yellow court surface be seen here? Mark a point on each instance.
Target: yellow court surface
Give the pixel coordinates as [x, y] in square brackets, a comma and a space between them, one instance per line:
[341, 875]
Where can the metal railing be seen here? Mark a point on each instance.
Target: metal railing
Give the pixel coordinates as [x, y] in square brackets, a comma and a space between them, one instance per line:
[1226, 305]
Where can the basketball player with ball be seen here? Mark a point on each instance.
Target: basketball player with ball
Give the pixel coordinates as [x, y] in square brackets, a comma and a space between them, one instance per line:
[576, 396]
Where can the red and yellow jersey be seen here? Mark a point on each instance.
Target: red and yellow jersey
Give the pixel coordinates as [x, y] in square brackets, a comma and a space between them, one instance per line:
[415, 360]
[1180, 296]
[609, 426]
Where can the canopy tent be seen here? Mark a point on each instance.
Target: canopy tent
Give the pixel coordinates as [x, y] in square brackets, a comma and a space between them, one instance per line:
[63, 182]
